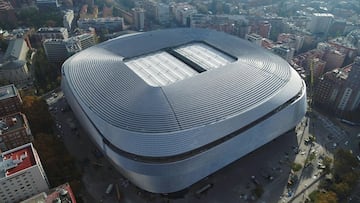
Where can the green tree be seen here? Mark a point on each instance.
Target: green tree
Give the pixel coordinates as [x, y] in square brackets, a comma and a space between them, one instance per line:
[37, 112]
[45, 73]
[327, 197]
[341, 189]
[296, 166]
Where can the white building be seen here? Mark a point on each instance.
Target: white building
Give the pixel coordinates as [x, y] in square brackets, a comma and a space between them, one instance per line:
[320, 23]
[58, 50]
[52, 33]
[113, 24]
[21, 174]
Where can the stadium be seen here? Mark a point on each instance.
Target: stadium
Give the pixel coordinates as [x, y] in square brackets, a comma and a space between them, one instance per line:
[170, 107]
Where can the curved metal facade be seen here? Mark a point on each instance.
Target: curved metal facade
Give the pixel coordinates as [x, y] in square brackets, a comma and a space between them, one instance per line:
[167, 138]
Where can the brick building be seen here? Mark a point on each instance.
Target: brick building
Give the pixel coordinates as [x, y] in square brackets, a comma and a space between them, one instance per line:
[14, 131]
[10, 100]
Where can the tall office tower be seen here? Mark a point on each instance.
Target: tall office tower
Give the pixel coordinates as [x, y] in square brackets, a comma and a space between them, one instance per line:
[139, 18]
[320, 23]
[350, 98]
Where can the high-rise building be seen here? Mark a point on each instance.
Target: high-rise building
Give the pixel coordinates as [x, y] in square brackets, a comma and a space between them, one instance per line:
[58, 50]
[350, 98]
[339, 89]
[320, 23]
[51, 33]
[328, 88]
[14, 68]
[333, 56]
[264, 28]
[112, 24]
[10, 100]
[139, 18]
[284, 52]
[162, 13]
[14, 131]
[182, 13]
[291, 40]
[21, 174]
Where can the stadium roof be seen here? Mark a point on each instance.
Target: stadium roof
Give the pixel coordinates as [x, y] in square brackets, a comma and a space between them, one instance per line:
[106, 84]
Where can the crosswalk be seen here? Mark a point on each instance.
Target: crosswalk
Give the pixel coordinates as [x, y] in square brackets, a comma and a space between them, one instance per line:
[337, 133]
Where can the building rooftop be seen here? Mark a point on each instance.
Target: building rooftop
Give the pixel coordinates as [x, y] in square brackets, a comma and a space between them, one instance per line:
[324, 14]
[16, 160]
[51, 29]
[108, 19]
[16, 50]
[11, 122]
[15, 64]
[8, 91]
[62, 193]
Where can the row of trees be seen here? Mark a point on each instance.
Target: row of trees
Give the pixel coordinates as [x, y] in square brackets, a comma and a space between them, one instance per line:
[343, 178]
[58, 163]
[47, 75]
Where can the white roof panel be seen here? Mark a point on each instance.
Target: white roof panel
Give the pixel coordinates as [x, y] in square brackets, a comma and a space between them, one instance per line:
[160, 69]
[204, 55]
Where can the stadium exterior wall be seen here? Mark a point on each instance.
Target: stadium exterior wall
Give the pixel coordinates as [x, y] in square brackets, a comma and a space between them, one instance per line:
[177, 175]
[164, 139]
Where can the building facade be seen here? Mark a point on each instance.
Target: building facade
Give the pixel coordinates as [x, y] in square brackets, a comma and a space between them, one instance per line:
[339, 89]
[21, 174]
[58, 50]
[112, 24]
[10, 100]
[14, 131]
[139, 18]
[52, 33]
[320, 23]
[13, 68]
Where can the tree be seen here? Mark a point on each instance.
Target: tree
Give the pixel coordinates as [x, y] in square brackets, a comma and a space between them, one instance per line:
[344, 162]
[38, 114]
[296, 167]
[46, 74]
[58, 163]
[327, 163]
[327, 197]
[341, 189]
